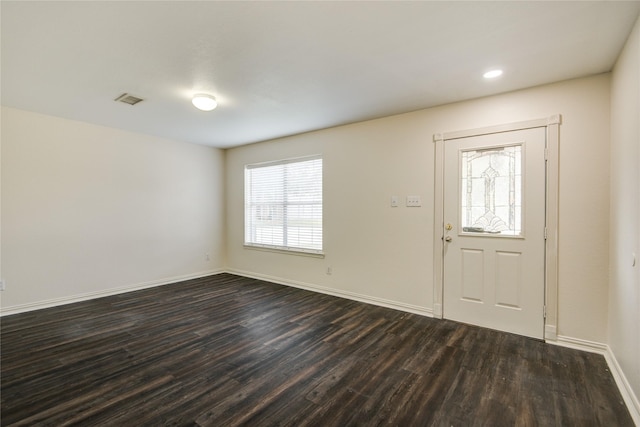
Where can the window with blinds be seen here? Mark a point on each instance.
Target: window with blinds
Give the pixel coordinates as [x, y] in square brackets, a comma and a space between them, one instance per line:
[283, 205]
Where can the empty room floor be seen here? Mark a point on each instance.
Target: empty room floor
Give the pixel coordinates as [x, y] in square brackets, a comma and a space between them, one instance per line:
[226, 350]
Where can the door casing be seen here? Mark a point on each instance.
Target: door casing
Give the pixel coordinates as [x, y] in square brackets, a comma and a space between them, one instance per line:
[552, 125]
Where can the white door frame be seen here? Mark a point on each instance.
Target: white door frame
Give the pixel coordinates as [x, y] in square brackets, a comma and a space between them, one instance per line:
[552, 125]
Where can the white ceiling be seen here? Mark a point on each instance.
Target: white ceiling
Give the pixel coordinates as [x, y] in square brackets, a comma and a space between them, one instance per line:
[281, 68]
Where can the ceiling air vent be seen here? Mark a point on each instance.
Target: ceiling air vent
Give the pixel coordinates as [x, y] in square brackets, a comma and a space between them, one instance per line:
[128, 99]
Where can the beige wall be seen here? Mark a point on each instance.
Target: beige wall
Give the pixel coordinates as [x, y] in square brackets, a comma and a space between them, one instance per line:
[624, 294]
[88, 209]
[385, 254]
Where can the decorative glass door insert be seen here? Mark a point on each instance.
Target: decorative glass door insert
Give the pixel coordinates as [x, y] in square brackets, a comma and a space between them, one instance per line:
[491, 191]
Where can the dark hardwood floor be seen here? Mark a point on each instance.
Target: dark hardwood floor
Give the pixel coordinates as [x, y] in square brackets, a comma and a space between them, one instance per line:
[226, 350]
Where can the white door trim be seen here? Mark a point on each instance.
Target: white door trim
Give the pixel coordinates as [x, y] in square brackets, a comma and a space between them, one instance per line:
[552, 125]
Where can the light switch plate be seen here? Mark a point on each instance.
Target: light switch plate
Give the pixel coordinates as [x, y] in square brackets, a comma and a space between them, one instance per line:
[394, 201]
[413, 201]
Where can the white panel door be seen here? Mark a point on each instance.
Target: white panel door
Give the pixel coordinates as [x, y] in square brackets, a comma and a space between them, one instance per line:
[494, 219]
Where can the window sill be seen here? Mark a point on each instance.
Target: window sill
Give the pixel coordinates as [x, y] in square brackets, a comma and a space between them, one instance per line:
[299, 252]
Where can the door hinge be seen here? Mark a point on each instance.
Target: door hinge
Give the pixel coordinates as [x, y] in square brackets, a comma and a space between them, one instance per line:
[546, 154]
[544, 311]
[545, 233]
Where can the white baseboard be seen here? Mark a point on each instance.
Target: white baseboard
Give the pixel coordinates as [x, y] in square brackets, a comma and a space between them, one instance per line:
[579, 344]
[628, 395]
[6, 311]
[630, 398]
[337, 293]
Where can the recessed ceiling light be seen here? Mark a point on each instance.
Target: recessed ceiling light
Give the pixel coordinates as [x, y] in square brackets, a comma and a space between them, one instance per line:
[204, 102]
[492, 74]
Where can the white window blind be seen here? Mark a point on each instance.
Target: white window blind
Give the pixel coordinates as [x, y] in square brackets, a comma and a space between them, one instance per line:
[283, 205]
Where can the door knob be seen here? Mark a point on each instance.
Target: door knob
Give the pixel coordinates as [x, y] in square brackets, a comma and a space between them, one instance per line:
[447, 239]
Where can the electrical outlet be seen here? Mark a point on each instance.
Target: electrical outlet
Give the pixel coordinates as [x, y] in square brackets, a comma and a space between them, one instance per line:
[207, 257]
[414, 201]
[394, 201]
[329, 271]
[2, 285]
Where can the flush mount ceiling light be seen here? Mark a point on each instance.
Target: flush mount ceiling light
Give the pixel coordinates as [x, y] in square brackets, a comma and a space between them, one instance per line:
[204, 102]
[492, 74]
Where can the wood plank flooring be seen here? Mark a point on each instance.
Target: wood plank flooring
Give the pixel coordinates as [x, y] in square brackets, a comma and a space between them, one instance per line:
[229, 351]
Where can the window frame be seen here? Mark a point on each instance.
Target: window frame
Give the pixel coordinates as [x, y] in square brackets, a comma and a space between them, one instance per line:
[287, 249]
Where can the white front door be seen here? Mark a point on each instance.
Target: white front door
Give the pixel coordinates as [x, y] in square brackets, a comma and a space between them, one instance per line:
[494, 220]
